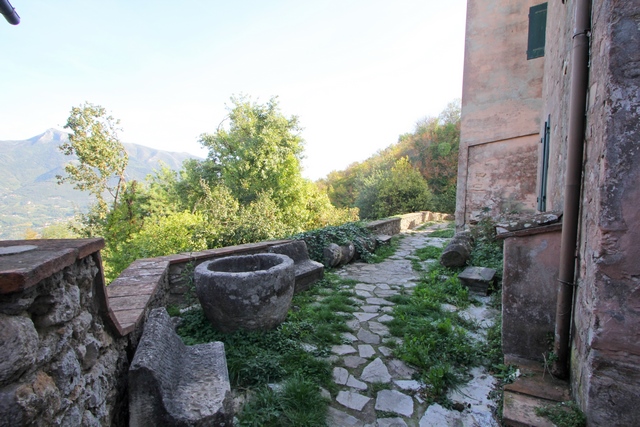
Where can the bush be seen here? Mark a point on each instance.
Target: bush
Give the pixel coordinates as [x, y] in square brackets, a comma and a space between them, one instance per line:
[399, 190]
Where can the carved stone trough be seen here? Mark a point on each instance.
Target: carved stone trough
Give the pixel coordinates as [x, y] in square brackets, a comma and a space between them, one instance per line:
[246, 292]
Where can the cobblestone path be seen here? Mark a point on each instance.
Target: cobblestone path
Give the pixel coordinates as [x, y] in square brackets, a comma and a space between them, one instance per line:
[376, 389]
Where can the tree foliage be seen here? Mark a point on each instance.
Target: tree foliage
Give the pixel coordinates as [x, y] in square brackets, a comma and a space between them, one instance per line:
[248, 189]
[101, 157]
[432, 149]
[398, 190]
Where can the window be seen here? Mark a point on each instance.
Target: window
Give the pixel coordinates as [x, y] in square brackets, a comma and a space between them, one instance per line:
[537, 28]
[544, 166]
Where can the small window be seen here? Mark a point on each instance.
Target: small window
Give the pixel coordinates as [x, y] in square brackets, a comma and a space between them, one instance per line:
[537, 28]
[544, 166]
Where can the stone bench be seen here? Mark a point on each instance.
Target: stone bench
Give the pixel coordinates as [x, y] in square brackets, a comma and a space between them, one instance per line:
[307, 271]
[171, 384]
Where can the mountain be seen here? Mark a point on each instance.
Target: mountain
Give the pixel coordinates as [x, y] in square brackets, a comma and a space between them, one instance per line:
[30, 197]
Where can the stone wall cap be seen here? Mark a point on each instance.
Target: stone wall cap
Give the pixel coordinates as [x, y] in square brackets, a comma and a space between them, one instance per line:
[508, 227]
[21, 270]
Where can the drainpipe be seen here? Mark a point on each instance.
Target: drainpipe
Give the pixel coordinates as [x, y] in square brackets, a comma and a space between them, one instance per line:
[9, 12]
[573, 179]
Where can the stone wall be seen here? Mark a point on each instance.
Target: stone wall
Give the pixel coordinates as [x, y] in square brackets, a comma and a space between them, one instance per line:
[61, 363]
[606, 345]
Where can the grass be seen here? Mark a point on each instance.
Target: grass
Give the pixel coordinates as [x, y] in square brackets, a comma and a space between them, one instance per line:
[435, 341]
[258, 358]
[298, 403]
[563, 414]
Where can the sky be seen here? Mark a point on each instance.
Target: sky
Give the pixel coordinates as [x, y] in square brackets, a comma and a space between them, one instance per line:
[357, 73]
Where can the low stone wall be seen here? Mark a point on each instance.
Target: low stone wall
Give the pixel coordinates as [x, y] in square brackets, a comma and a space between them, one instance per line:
[61, 360]
[400, 223]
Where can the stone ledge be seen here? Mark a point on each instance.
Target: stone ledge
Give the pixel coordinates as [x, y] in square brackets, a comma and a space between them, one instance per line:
[23, 270]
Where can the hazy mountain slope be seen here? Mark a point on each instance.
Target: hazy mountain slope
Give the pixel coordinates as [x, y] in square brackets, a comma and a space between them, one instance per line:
[29, 194]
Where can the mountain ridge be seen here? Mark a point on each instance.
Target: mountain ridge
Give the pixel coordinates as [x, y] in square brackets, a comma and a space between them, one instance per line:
[30, 197]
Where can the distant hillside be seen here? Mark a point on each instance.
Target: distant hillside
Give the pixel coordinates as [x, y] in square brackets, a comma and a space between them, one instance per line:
[29, 194]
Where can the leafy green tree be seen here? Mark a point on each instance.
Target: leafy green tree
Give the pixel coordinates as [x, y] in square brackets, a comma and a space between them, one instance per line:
[399, 190]
[102, 158]
[260, 151]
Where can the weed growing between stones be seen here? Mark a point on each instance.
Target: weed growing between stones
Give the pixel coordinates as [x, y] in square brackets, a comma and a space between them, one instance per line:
[563, 414]
[383, 252]
[435, 340]
[296, 403]
[291, 355]
[447, 232]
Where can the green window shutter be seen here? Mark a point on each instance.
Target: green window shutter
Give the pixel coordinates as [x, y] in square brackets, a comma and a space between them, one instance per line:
[537, 28]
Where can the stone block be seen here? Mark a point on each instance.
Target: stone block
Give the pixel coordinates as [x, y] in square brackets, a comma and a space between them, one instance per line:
[171, 384]
[18, 346]
[477, 279]
[307, 271]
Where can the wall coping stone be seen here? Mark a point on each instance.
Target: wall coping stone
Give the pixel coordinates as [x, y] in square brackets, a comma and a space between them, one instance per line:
[23, 270]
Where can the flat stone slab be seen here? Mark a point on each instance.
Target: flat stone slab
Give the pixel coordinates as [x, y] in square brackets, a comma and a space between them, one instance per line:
[370, 308]
[355, 383]
[365, 287]
[477, 279]
[337, 418]
[340, 376]
[386, 351]
[349, 337]
[409, 385]
[399, 369]
[353, 361]
[363, 317]
[368, 337]
[394, 401]
[391, 422]
[352, 400]
[437, 416]
[376, 372]
[378, 301]
[378, 329]
[366, 351]
[342, 349]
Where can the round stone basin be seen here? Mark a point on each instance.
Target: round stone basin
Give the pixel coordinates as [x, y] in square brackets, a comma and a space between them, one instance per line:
[245, 292]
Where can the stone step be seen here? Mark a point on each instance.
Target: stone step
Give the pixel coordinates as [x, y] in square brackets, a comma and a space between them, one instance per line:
[478, 279]
[534, 388]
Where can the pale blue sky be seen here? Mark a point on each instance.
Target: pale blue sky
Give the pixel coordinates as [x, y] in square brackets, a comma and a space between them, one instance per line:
[357, 73]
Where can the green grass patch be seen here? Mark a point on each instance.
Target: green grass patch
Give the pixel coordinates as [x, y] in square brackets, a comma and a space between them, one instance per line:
[297, 404]
[447, 232]
[316, 322]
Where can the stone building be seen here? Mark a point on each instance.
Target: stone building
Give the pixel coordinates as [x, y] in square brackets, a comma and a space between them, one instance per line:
[550, 121]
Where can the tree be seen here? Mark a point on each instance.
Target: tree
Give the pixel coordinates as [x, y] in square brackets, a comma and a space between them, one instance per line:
[102, 158]
[390, 192]
[260, 151]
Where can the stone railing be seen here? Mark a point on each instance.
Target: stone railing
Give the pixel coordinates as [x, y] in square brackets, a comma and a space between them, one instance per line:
[66, 340]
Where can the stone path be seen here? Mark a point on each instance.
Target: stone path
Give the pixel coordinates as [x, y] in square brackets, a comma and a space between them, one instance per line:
[376, 389]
